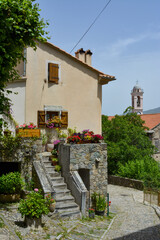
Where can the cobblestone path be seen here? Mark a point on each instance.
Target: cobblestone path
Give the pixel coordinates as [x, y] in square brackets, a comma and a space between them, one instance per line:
[130, 220]
[12, 227]
[134, 221]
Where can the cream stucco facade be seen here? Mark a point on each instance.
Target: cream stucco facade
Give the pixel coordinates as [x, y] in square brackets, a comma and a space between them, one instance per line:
[79, 89]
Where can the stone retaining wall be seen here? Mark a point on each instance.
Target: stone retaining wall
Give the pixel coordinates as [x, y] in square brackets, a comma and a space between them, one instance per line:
[26, 155]
[90, 157]
[125, 182]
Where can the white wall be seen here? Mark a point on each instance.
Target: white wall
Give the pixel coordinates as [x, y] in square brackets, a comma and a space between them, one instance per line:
[18, 100]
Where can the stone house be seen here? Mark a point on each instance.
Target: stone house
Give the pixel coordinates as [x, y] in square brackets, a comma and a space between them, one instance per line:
[55, 83]
[152, 121]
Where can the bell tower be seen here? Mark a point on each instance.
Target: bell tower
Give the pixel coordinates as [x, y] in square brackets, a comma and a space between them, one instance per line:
[137, 99]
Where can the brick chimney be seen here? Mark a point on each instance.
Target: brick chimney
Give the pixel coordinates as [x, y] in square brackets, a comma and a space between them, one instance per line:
[84, 56]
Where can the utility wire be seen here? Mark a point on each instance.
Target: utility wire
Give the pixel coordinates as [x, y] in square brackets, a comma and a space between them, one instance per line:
[91, 25]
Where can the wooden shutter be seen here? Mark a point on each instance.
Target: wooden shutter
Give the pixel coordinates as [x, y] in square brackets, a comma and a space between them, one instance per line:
[41, 119]
[64, 119]
[53, 73]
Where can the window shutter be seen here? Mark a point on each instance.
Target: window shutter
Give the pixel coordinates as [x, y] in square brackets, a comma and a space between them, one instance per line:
[53, 70]
[41, 119]
[64, 119]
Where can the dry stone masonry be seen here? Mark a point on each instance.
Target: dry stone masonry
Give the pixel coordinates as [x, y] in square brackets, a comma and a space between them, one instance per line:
[90, 160]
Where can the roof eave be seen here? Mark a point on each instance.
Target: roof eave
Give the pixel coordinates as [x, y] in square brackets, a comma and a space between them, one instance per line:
[105, 79]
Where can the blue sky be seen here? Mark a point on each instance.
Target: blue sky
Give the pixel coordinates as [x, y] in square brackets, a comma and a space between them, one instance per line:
[125, 42]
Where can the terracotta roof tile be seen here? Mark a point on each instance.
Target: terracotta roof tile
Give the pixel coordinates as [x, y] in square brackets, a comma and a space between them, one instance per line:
[151, 120]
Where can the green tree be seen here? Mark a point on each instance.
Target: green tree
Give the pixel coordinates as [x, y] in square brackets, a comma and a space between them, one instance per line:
[126, 139]
[20, 27]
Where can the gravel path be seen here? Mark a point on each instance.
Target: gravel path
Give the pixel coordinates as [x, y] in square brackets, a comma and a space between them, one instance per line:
[134, 220]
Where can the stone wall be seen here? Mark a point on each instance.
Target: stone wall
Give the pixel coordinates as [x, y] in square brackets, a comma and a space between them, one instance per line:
[25, 155]
[125, 182]
[92, 157]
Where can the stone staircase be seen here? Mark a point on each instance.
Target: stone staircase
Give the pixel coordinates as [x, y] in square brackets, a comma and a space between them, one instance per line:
[65, 202]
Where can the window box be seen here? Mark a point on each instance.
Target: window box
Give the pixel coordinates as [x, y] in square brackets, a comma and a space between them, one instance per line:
[43, 117]
[28, 132]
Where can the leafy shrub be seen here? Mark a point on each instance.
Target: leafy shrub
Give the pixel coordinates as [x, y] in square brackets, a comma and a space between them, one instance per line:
[126, 139]
[9, 145]
[147, 170]
[34, 205]
[11, 183]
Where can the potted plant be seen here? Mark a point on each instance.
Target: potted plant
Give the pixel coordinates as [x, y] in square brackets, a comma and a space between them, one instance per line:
[54, 161]
[57, 168]
[33, 207]
[91, 212]
[100, 205]
[51, 203]
[29, 130]
[54, 153]
[61, 135]
[44, 141]
[56, 144]
[11, 186]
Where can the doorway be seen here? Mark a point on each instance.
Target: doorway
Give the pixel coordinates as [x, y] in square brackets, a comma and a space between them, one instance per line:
[7, 167]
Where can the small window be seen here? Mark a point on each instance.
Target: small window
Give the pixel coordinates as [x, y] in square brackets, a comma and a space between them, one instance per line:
[51, 115]
[53, 73]
[44, 116]
[138, 101]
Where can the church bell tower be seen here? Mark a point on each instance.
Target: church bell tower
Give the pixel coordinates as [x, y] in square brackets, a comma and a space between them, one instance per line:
[137, 99]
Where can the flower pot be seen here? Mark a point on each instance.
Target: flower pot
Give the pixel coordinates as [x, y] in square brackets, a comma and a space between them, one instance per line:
[92, 215]
[54, 163]
[99, 213]
[28, 132]
[9, 198]
[52, 207]
[33, 222]
[50, 147]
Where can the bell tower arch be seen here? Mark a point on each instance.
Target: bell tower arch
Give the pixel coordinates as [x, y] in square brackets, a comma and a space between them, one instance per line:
[137, 99]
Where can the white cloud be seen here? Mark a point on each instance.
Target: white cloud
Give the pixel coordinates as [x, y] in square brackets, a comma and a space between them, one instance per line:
[118, 47]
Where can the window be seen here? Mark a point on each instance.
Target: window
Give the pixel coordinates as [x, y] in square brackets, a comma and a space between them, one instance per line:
[53, 73]
[43, 116]
[138, 101]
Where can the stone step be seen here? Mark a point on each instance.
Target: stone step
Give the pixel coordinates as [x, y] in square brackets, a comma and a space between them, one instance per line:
[45, 158]
[49, 168]
[72, 214]
[66, 206]
[62, 193]
[65, 202]
[57, 179]
[65, 198]
[59, 186]
[53, 173]
[67, 210]
[46, 163]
